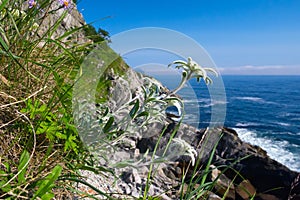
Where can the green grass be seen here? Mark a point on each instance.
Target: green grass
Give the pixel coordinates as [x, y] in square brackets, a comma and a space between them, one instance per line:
[39, 141]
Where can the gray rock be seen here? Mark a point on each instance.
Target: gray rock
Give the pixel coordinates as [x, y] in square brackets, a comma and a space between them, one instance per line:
[120, 156]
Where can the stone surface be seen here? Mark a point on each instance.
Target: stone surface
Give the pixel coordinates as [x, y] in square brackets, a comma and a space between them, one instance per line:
[246, 190]
[224, 186]
[212, 196]
[72, 20]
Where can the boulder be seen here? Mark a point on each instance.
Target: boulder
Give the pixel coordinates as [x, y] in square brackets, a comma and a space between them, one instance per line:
[246, 190]
[254, 164]
[223, 185]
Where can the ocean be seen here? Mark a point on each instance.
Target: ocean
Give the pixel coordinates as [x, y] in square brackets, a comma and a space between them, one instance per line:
[264, 110]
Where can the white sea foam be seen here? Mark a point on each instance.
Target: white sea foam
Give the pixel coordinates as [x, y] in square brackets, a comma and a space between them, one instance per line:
[254, 99]
[247, 124]
[283, 124]
[213, 103]
[295, 115]
[190, 101]
[196, 100]
[207, 102]
[257, 99]
[277, 150]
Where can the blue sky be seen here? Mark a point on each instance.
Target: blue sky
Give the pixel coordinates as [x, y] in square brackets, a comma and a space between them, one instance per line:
[241, 36]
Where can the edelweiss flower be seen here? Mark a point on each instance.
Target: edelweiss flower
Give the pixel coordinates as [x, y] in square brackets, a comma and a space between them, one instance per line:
[192, 69]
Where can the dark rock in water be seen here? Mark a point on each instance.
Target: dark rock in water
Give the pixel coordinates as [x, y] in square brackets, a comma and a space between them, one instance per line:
[266, 175]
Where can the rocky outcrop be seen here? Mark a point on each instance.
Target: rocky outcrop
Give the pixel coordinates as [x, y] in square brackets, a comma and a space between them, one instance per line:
[69, 19]
[238, 170]
[253, 163]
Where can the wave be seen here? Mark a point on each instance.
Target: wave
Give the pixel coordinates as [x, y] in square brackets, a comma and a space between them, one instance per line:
[286, 114]
[247, 124]
[283, 124]
[254, 99]
[213, 103]
[207, 103]
[257, 99]
[277, 150]
[202, 100]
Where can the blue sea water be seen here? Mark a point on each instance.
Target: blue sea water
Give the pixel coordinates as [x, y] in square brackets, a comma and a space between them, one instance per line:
[264, 110]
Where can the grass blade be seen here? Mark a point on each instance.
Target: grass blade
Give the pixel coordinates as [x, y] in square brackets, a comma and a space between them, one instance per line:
[47, 184]
[22, 166]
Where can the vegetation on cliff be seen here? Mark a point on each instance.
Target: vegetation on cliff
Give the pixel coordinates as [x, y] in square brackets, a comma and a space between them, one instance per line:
[39, 61]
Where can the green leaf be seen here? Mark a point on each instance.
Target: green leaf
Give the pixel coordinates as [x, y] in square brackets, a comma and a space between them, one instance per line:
[71, 144]
[47, 184]
[4, 45]
[47, 196]
[7, 188]
[7, 166]
[3, 4]
[150, 99]
[60, 135]
[135, 109]
[108, 124]
[43, 108]
[23, 166]
[106, 111]
[143, 114]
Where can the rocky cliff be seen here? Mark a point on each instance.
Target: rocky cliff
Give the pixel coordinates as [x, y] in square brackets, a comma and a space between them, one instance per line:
[237, 169]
